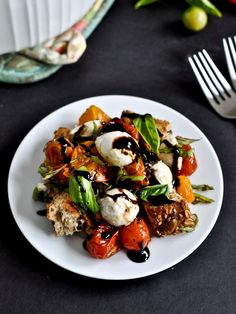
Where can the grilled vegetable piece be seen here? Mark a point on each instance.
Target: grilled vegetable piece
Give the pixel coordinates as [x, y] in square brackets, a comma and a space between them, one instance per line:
[66, 218]
[171, 218]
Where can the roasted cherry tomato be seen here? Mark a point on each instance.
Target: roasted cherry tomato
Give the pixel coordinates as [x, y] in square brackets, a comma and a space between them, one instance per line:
[189, 164]
[136, 235]
[79, 158]
[104, 242]
[184, 189]
[118, 124]
[93, 113]
[64, 174]
[58, 151]
[137, 168]
[131, 130]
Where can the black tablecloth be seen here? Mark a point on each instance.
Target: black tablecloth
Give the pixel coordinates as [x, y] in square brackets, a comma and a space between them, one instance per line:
[142, 53]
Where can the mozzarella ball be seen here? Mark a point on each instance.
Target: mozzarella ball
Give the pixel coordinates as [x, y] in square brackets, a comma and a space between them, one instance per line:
[119, 207]
[87, 129]
[162, 173]
[117, 148]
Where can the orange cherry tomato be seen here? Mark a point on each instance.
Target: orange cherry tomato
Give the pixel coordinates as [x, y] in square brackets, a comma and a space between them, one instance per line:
[184, 189]
[137, 168]
[58, 151]
[93, 113]
[104, 242]
[136, 235]
[64, 175]
[79, 159]
[189, 164]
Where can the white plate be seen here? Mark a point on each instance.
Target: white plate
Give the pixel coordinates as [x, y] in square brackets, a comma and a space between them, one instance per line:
[68, 252]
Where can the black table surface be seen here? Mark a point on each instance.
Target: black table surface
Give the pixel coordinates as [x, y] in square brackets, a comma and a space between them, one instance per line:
[141, 53]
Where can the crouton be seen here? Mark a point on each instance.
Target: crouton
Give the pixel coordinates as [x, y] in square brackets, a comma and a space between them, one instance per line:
[66, 218]
[171, 218]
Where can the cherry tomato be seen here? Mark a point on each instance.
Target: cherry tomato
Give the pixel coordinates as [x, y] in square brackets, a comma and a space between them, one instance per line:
[118, 124]
[136, 235]
[184, 189]
[137, 168]
[64, 174]
[189, 164]
[104, 242]
[131, 130]
[232, 1]
[58, 151]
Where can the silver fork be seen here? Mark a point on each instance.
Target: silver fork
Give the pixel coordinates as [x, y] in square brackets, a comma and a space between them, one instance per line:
[230, 54]
[217, 90]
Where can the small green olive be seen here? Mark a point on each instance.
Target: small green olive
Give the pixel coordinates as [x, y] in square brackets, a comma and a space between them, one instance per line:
[194, 18]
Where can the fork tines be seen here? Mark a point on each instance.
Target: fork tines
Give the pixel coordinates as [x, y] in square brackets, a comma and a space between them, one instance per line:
[230, 54]
[212, 82]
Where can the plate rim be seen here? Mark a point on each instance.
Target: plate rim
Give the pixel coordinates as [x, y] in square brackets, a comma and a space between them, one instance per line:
[155, 103]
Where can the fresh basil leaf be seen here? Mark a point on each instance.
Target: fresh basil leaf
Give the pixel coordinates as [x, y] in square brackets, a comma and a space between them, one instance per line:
[74, 190]
[202, 187]
[206, 5]
[154, 190]
[132, 178]
[122, 176]
[202, 199]
[185, 141]
[143, 3]
[147, 128]
[95, 130]
[97, 160]
[82, 194]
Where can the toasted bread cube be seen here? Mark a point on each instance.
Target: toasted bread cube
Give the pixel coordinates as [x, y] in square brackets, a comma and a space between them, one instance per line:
[65, 217]
[171, 218]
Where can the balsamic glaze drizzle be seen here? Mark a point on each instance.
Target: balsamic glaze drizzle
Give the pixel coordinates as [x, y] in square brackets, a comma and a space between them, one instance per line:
[125, 142]
[64, 144]
[121, 194]
[42, 212]
[106, 235]
[139, 256]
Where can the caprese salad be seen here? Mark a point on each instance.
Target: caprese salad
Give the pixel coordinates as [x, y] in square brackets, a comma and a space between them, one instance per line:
[119, 181]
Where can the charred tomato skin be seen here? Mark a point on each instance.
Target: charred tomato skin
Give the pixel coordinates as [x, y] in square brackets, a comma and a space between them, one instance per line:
[136, 235]
[189, 164]
[104, 242]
